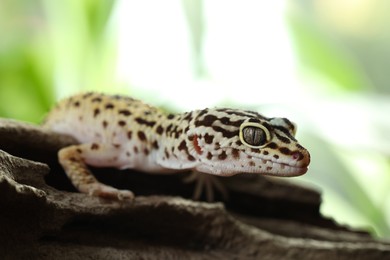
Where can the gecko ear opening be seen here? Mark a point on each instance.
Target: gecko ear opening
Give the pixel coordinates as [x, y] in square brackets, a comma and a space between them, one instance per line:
[197, 148]
[254, 135]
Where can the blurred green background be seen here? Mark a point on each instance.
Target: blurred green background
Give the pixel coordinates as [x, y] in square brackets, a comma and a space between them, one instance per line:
[324, 64]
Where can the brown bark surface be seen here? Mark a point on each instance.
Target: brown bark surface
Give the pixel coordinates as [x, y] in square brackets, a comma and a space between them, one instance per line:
[43, 217]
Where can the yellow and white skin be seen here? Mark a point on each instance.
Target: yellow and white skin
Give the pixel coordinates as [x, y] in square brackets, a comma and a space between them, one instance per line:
[122, 132]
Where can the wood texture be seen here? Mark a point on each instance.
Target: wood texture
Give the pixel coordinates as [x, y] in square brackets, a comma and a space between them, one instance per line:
[42, 217]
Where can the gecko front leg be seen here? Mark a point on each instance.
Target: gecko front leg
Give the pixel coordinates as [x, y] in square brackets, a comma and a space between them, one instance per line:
[74, 160]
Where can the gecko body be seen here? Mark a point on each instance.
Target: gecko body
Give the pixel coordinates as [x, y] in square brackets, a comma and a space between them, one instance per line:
[122, 132]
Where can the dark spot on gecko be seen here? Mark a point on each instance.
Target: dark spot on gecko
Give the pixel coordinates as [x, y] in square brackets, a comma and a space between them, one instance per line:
[254, 150]
[159, 130]
[265, 152]
[109, 106]
[128, 154]
[104, 123]
[97, 99]
[182, 146]
[129, 133]
[245, 113]
[125, 112]
[170, 116]
[249, 157]
[269, 168]
[79, 150]
[272, 145]
[226, 121]
[236, 153]
[224, 132]
[204, 111]
[208, 138]
[76, 104]
[188, 117]
[73, 159]
[96, 112]
[266, 125]
[135, 149]
[191, 138]
[299, 146]
[116, 145]
[209, 156]
[155, 144]
[177, 134]
[276, 156]
[285, 150]
[222, 156]
[166, 153]
[207, 120]
[282, 138]
[252, 163]
[141, 136]
[169, 127]
[87, 95]
[146, 151]
[238, 142]
[142, 121]
[191, 158]
[80, 118]
[121, 123]
[94, 146]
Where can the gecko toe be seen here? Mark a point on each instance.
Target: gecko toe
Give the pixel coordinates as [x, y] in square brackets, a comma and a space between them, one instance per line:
[107, 192]
[123, 195]
[206, 184]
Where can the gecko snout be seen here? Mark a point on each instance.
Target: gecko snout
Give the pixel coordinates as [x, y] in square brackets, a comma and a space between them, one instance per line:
[302, 157]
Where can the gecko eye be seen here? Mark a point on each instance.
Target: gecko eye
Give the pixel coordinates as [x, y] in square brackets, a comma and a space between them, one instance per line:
[254, 134]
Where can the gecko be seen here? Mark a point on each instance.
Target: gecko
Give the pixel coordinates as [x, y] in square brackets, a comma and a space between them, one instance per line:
[125, 133]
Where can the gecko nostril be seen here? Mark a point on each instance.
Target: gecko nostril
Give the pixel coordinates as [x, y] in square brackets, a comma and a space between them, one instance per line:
[297, 156]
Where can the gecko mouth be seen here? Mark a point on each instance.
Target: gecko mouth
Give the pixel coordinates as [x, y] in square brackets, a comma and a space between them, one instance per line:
[283, 169]
[275, 168]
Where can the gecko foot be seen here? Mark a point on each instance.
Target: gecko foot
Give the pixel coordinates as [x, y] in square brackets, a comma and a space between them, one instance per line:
[107, 192]
[206, 183]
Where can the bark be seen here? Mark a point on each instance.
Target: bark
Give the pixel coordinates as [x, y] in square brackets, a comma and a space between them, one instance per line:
[43, 217]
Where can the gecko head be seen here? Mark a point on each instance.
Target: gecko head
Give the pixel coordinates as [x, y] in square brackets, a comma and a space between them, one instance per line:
[229, 141]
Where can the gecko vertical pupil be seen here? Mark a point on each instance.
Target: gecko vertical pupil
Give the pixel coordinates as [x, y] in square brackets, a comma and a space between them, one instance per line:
[254, 135]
